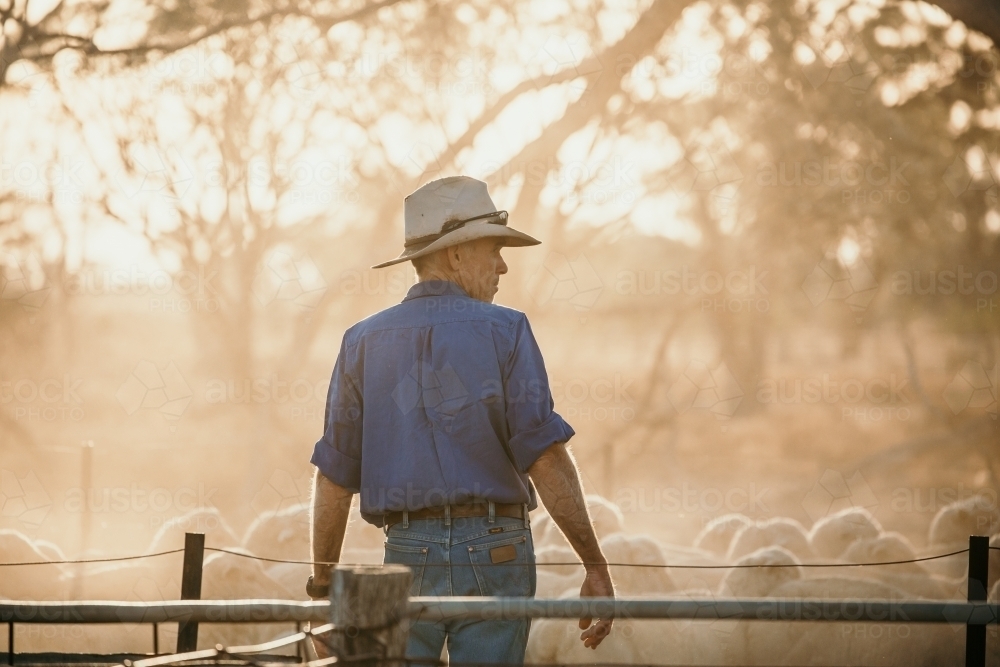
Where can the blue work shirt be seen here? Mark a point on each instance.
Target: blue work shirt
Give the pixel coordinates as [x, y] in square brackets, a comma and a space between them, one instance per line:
[441, 399]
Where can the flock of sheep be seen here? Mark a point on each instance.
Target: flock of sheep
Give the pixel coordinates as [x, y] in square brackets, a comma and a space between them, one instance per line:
[850, 536]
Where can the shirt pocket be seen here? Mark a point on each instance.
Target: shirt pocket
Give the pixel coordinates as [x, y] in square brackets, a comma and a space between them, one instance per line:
[504, 567]
[413, 557]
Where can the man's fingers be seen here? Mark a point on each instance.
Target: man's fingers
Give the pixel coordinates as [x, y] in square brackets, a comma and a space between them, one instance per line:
[585, 623]
[595, 634]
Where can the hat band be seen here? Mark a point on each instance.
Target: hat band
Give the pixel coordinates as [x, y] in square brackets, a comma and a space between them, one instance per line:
[449, 227]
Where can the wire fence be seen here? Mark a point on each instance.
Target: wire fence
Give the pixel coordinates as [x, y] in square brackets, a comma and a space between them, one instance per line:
[287, 561]
[976, 613]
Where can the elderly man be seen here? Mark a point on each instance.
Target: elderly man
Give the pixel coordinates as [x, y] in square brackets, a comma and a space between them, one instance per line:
[440, 416]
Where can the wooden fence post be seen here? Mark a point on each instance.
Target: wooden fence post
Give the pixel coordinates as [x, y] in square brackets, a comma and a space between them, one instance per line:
[194, 555]
[366, 608]
[979, 564]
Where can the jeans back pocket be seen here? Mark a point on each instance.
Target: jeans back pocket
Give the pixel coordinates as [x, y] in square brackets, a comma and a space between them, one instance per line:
[413, 557]
[504, 567]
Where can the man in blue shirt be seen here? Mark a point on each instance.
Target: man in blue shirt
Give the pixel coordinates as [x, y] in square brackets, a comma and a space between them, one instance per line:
[439, 416]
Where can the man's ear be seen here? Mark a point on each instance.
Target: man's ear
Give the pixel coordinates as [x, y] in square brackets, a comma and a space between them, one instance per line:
[454, 255]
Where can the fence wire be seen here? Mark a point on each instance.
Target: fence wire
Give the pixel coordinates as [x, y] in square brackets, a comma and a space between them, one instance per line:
[544, 564]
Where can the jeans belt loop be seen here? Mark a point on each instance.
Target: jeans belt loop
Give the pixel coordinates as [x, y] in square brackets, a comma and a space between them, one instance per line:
[406, 519]
[524, 513]
[493, 512]
[447, 515]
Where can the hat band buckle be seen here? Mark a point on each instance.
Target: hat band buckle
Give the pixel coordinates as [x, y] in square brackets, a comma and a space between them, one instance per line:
[452, 225]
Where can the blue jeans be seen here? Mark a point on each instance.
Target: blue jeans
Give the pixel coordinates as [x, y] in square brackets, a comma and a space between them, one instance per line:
[456, 560]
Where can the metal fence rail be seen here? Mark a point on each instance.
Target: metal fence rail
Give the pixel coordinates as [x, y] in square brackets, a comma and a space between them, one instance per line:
[455, 608]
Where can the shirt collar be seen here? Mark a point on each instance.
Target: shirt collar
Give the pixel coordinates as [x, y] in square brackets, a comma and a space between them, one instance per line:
[434, 288]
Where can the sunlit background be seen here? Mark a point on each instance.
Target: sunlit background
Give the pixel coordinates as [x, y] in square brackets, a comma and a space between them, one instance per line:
[767, 283]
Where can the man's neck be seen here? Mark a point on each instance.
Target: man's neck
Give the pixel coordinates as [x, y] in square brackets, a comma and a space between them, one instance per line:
[454, 279]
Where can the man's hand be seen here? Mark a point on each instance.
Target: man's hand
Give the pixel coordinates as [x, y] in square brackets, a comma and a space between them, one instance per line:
[597, 584]
[558, 483]
[320, 646]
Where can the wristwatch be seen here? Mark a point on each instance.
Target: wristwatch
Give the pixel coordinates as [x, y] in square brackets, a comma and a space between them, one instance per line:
[314, 591]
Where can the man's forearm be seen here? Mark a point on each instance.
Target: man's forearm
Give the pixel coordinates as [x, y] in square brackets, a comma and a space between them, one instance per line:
[331, 507]
[557, 481]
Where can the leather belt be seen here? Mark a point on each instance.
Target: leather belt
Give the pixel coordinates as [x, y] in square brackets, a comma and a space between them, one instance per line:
[514, 511]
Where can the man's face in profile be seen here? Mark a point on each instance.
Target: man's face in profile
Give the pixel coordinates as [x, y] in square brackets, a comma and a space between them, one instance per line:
[480, 267]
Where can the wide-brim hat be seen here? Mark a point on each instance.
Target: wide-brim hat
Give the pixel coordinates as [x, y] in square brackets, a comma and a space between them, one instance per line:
[450, 211]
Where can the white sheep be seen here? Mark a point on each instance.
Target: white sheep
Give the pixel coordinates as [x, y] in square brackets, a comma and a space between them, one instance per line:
[718, 533]
[745, 581]
[886, 548]
[692, 578]
[638, 550]
[545, 556]
[31, 582]
[617, 548]
[557, 641]
[120, 580]
[954, 523]
[832, 535]
[280, 534]
[605, 515]
[703, 641]
[206, 520]
[540, 522]
[361, 534]
[553, 585]
[50, 549]
[778, 532]
[841, 642]
[129, 581]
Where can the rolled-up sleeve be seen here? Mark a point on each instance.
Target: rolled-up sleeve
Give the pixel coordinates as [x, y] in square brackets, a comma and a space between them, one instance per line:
[534, 425]
[337, 454]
